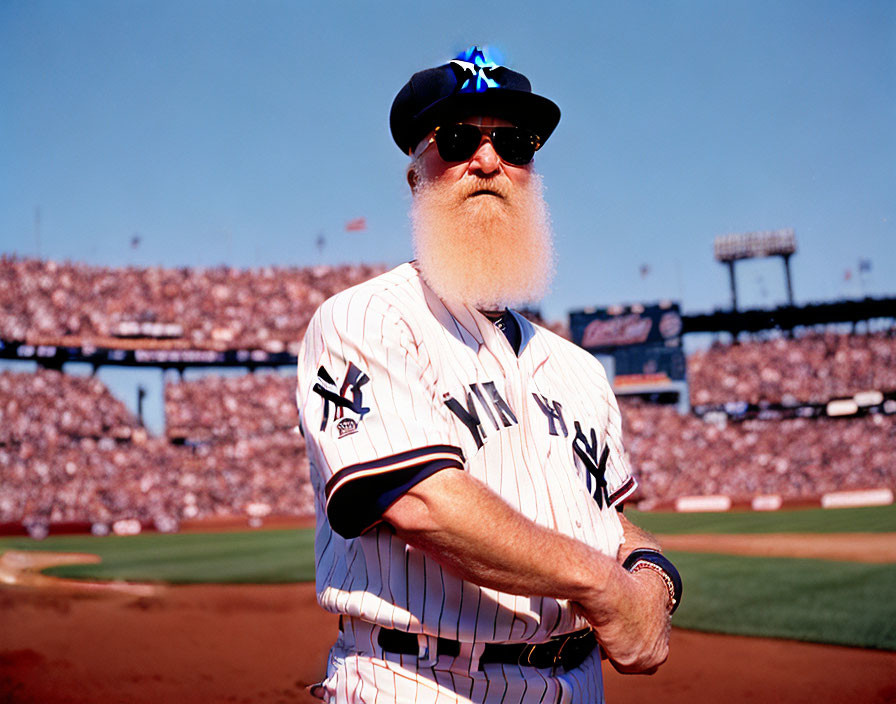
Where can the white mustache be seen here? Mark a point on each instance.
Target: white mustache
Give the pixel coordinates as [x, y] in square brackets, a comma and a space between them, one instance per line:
[475, 185]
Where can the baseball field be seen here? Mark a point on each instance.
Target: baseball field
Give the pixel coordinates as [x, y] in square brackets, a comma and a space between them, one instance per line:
[794, 606]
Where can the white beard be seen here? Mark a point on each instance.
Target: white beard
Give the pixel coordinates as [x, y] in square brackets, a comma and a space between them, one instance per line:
[485, 251]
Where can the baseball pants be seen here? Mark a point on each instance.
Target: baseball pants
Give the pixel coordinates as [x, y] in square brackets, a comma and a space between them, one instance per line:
[359, 671]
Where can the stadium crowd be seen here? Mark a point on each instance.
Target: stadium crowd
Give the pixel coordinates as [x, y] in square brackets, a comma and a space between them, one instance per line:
[678, 455]
[814, 367]
[48, 302]
[228, 407]
[70, 452]
[50, 409]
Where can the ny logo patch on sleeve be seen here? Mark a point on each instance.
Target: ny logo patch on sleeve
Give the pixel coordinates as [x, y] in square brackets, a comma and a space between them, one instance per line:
[337, 401]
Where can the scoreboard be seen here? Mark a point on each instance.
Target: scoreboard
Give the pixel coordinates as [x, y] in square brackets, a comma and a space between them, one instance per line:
[642, 342]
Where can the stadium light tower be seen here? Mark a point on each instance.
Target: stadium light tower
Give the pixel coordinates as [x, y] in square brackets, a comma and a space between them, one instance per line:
[728, 249]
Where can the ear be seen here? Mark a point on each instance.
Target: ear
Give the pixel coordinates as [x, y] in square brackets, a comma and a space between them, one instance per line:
[413, 178]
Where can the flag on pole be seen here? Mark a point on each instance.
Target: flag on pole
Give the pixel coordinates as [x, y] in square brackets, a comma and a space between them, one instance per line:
[864, 266]
[135, 241]
[356, 225]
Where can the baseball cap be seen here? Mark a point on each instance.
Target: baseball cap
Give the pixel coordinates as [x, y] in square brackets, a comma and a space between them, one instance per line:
[471, 84]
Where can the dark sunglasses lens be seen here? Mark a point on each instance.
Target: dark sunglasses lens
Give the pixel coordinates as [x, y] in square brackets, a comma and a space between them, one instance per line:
[514, 145]
[458, 142]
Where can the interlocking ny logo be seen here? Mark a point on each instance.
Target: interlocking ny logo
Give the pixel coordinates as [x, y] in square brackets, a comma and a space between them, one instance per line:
[586, 449]
[326, 389]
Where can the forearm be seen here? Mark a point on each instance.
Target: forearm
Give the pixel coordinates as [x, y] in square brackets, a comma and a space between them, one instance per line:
[474, 533]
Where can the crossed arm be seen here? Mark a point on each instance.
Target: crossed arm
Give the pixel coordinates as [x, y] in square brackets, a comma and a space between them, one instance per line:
[502, 549]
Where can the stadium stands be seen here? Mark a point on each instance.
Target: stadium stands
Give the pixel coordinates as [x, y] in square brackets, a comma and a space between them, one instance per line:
[49, 408]
[53, 303]
[71, 452]
[219, 407]
[677, 455]
[814, 367]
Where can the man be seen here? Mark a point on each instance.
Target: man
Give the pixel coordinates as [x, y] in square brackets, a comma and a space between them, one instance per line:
[467, 464]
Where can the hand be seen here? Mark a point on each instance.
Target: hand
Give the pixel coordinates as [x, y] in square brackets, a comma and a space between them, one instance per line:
[631, 620]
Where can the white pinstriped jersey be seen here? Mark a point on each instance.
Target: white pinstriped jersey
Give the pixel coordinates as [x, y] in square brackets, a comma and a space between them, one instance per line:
[394, 385]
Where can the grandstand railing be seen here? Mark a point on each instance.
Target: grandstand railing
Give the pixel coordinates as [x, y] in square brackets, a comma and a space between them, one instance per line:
[789, 317]
[138, 355]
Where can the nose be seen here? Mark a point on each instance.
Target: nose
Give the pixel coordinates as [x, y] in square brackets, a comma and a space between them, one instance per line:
[485, 160]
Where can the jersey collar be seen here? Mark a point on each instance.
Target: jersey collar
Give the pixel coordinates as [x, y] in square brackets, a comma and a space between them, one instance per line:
[474, 326]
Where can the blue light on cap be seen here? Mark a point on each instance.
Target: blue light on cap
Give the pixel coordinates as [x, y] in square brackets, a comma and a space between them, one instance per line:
[477, 68]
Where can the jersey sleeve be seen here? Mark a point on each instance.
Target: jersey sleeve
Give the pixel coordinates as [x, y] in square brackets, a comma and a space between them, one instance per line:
[370, 410]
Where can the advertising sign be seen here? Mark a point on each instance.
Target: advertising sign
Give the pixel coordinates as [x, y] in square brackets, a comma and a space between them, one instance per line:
[644, 342]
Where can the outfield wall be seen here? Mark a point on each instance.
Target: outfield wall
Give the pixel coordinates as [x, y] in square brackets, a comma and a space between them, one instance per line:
[684, 504]
[882, 496]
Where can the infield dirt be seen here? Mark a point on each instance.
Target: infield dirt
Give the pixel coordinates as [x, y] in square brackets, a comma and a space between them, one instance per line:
[80, 643]
[852, 547]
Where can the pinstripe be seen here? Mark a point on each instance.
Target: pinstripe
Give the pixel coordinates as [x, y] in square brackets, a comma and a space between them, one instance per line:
[375, 586]
[506, 685]
[408, 585]
[443, 578]
[464, 588]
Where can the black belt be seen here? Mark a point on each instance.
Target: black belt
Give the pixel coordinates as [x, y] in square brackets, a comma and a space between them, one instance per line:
[406, 643]
[568, 651]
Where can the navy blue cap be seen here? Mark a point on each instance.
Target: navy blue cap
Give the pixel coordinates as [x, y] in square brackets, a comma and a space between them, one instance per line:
[468, 85]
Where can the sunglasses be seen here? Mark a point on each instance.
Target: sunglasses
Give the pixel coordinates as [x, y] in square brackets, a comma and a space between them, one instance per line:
[459, 142]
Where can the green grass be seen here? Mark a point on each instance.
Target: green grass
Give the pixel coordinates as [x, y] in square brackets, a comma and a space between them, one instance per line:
[821, 601]
[872, 519]
[814, 600]
[259, 557]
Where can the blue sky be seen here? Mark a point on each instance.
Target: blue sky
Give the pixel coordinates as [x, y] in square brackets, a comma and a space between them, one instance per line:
[237, 133]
